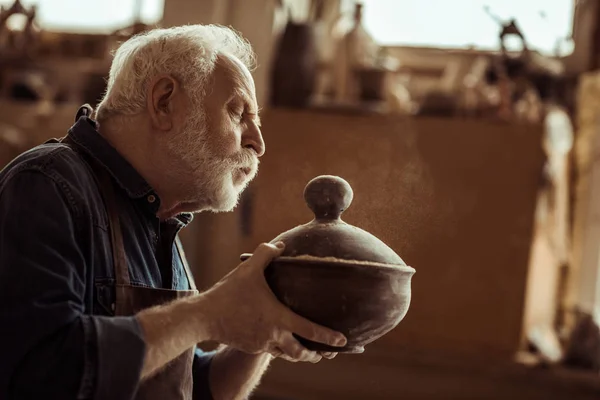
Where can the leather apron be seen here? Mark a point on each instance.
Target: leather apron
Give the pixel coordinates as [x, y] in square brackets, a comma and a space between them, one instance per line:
[174, 380]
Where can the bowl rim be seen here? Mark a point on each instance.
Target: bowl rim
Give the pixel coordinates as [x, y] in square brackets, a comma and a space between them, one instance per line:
[307, 259]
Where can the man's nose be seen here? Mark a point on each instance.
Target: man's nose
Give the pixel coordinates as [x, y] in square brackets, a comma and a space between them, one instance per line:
[253, 139]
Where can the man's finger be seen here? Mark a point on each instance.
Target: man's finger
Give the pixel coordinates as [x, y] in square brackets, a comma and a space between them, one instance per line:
[293, 349]
[265, 253]
[276, 352]
[328, 355]
[314, 332]
[287, 358]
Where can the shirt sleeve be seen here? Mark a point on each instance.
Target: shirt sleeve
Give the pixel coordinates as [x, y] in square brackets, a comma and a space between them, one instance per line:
[49, 347]
[200, 372]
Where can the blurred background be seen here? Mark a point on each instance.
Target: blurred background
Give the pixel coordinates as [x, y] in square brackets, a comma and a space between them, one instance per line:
[468, 130]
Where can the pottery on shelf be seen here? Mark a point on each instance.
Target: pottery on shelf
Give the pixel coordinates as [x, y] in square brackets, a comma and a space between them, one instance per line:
[338, 275]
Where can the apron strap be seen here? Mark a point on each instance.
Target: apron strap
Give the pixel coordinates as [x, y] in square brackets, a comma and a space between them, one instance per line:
[186, 266]
[116, 236]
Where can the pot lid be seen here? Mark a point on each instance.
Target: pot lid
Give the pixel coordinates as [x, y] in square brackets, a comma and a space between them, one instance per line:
[327, 236]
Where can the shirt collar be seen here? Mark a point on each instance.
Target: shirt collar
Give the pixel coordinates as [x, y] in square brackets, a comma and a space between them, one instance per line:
[85, 133]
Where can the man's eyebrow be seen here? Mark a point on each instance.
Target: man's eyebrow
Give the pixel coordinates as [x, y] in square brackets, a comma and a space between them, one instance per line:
[244, 96]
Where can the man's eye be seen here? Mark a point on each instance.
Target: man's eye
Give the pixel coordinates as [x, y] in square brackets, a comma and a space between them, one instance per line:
[239, 114]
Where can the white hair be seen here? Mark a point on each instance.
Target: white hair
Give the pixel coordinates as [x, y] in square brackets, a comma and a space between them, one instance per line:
[189, 53]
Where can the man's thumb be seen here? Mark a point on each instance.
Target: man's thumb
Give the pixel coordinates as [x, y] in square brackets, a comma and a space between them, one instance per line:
[265, 253]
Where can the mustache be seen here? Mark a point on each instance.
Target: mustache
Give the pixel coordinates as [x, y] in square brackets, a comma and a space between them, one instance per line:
[244, 159]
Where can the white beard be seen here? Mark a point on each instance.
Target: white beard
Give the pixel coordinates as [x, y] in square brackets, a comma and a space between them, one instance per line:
[210, 176]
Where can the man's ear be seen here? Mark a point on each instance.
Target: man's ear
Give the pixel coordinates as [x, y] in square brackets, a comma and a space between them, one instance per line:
[162, 91]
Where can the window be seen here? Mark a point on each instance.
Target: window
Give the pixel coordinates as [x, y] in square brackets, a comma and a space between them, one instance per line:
[465, 23]
[93, 16]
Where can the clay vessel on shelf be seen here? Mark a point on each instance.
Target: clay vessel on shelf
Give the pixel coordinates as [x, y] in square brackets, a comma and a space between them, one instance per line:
[338, 275]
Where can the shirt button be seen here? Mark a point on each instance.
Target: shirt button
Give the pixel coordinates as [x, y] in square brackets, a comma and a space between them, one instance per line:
[151, 198]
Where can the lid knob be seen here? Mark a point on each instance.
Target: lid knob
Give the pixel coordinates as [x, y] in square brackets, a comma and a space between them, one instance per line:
[328, 196]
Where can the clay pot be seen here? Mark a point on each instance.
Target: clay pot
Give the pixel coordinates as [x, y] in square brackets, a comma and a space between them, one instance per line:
[294, 67]
[338, 275]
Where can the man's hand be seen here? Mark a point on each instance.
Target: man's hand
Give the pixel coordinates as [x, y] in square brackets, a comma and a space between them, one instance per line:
[240, 311]
[247, 315]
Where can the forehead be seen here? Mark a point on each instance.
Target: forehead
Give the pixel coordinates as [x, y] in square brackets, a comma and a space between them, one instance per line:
[231, 78]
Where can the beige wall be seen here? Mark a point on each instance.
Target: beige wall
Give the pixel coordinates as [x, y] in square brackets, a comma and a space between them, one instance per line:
[454, 198]
[585, 263]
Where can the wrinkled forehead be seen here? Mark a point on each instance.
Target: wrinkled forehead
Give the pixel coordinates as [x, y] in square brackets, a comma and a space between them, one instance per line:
[237, 78]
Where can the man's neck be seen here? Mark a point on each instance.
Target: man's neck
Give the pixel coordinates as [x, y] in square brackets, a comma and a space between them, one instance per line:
[138, 147]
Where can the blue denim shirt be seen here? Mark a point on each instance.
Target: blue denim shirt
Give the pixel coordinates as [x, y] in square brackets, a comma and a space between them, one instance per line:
[59, 338]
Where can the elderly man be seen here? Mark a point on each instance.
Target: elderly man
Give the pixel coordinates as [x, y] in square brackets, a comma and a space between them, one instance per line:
[97, 301]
